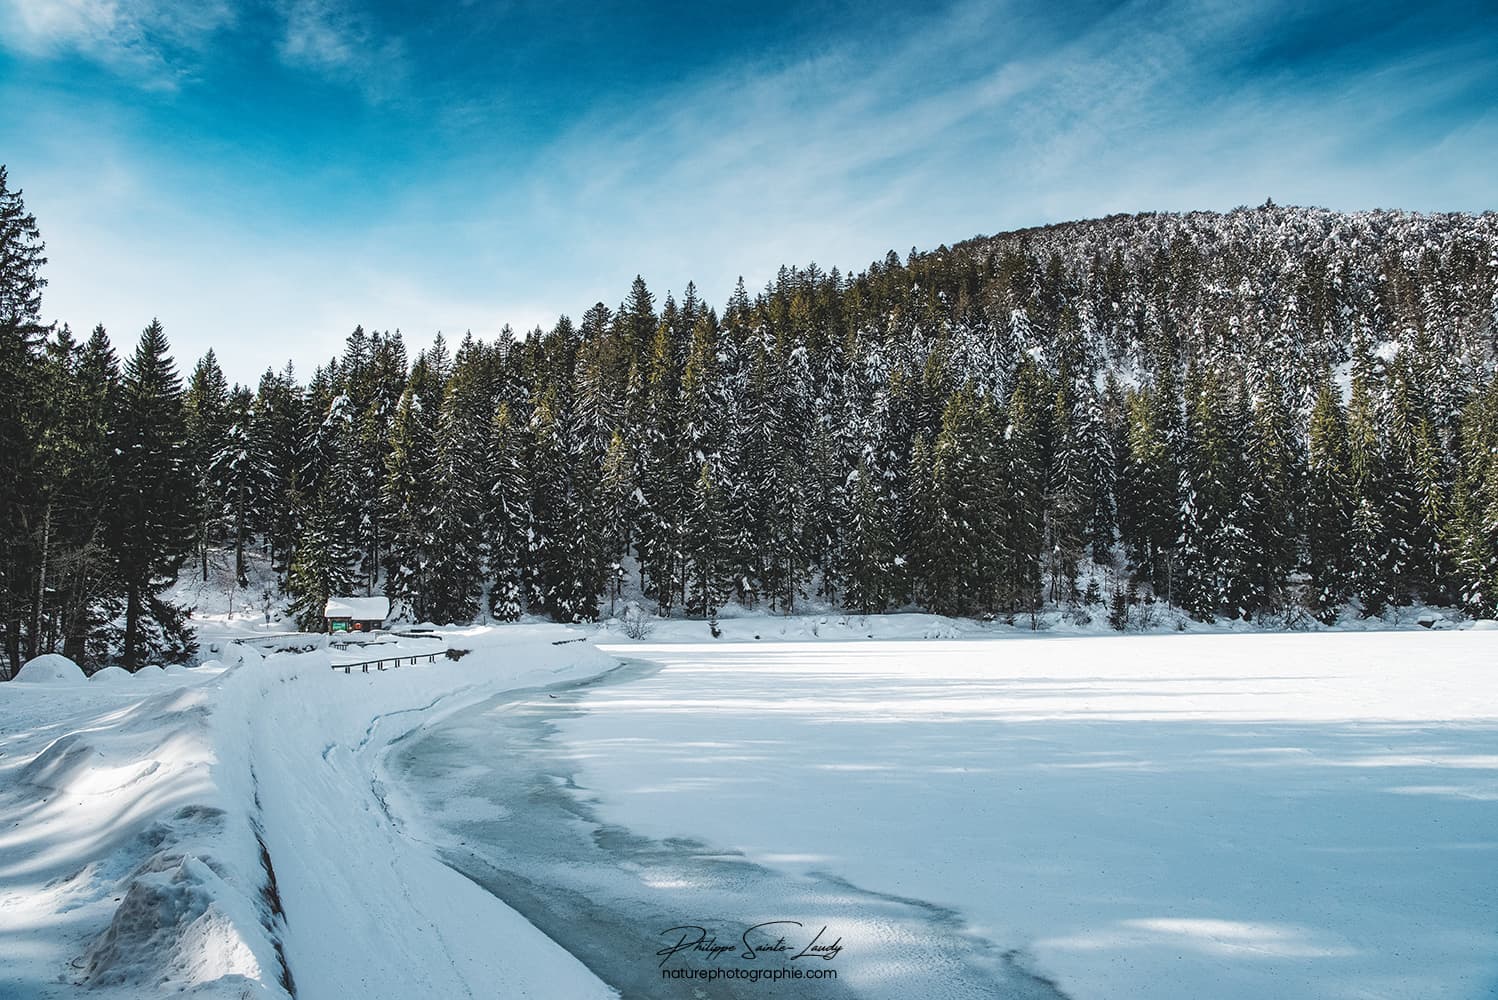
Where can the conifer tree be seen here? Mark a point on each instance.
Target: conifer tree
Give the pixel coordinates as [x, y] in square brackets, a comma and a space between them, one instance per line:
[507, 516]
[1371, 567]
[205, 406]
[154, 511]
[21, 333]
[704, 547]
[869, 561]
[324, 565]
[86, 574]
[1328, 509]
[235, 473]
[1272, 497]
[411, 488]
[462, 488]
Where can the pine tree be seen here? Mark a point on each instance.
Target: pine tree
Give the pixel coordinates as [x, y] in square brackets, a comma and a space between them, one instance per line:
[660, 475]
[1372, 566]
[275, 441]
[205, 407]
[869, 561]
[1028, 448]
[86, 572]
[154, 526]
[324, 565]
[1272, 497]
[458, 537]
[21, 333]
[704, 546]
[562, 563]
[411, 488]
[1150, 500]
[970, 537]
[1328, 509]
[507, 516]
[235, 473]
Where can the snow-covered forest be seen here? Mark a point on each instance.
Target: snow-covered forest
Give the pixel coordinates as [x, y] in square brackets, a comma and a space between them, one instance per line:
[1278, 412]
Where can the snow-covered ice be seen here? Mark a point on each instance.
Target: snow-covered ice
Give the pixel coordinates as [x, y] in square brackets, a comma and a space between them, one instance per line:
[1311, 816]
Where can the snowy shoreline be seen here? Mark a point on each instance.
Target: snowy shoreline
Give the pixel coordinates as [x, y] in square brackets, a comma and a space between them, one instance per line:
[164, 872]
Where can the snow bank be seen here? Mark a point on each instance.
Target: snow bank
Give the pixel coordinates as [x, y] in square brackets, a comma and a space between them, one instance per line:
[221, 832]
[180, 927]
[129, 868]
[50, 668]
[369, 911]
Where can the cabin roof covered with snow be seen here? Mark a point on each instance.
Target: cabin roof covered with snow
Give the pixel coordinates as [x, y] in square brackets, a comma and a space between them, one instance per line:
[358, 608]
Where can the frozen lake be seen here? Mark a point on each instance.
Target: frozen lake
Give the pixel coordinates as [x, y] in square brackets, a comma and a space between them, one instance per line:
[1184, 816]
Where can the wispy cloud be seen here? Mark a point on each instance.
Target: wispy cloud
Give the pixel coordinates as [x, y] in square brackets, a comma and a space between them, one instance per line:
[983, 120]
[341, 41]
[154, 42]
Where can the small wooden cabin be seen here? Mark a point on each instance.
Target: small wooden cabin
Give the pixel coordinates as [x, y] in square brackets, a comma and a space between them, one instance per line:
[356, 614]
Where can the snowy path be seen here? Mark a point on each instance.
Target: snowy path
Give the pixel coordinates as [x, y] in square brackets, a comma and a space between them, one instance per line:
[1228, 816]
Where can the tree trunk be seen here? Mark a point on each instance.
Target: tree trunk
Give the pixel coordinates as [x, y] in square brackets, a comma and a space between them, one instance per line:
[241, 578]
[132, 627]
[13, 646]
[35, 637]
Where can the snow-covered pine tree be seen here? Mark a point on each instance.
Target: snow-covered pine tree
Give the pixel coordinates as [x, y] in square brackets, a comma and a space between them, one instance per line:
[661, 473]
[1273, 492]
[462, 487]
[85, 574]
[153, 528]
[506, 520]
[205, 405]
[1328, 505]
[704, 544]
[868, 549]
[325, 562]
[21, 334]
[275, 447]
[410, 492]
[1372, 565]
[562, 565]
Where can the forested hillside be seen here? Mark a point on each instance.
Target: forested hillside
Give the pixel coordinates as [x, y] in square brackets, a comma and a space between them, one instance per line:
[1257, 412]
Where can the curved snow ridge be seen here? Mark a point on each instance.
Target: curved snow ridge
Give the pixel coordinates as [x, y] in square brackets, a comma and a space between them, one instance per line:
[368, 911]
[128, 863]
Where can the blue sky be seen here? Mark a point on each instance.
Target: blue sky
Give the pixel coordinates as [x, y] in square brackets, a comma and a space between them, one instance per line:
[263, 175]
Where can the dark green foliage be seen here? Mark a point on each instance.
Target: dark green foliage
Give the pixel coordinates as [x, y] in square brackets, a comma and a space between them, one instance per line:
[154, 506]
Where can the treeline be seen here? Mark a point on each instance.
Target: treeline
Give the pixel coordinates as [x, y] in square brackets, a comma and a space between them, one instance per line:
[1272, 411]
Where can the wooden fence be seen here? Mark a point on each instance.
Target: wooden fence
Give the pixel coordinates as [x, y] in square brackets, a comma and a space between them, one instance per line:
[394, 661]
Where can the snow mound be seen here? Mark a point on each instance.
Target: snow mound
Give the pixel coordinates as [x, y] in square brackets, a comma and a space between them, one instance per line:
[173, 931]
[63, 761]
[51, 668]
[109, 675]
[1484, 625]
